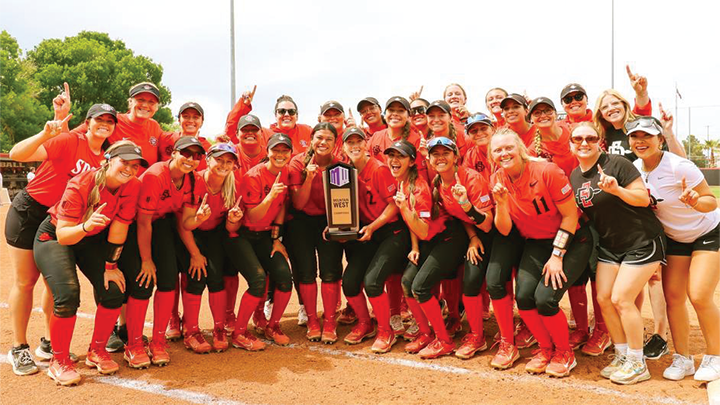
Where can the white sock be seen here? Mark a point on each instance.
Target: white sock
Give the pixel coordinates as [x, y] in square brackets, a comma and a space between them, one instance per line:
[635, 354]
[621, 349]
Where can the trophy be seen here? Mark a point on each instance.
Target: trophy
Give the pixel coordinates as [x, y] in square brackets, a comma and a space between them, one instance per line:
[341, 201]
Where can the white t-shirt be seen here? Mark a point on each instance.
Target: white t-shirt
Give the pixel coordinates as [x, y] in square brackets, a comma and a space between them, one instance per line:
[681, 222]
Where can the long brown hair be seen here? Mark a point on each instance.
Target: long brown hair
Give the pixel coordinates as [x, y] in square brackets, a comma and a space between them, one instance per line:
[311, 152]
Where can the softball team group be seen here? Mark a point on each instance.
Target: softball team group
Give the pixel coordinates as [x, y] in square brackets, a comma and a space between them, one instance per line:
[458, 211]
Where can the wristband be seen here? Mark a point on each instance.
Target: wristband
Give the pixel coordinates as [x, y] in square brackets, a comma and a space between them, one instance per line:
[114, 252]
[559, 253]
[463, 202]
[477, 217]
[276, 231]
[83, 227]
[110, 266]
[474, 236]
[562, 239]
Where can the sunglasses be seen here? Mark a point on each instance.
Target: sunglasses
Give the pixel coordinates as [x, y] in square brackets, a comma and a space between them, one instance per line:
[421, 110]
[590, 139]
[188, 154]
[569, 98]
[225, 147]
[288, 111]
[645, 122]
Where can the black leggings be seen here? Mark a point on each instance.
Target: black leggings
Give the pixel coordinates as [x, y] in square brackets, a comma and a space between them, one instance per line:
[530, 256]
[57, 264]
[591, 269]
[439, 259]
[371, 262]
[474, 275]
[304, 236]
[211, 245]
[250, 253]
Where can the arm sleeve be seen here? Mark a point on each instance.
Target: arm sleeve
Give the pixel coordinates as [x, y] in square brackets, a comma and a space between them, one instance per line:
[166, 144]
[149, 196]
[72, 205]
[423, 202]
[693, 175]
[557, 183]
[233, 118]
[478, 192]
[645, 110]
[626, 172]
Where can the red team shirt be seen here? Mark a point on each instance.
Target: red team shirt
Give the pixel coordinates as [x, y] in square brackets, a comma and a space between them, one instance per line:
[557, 151]
[476, 158]
[533, 198]
[300, 136]
[477, 192]
[121, 205]
[377, 187]
[159, 196]
[256, 185]
[218, 211]
[68, 155]
[316, 204]
[423, 207]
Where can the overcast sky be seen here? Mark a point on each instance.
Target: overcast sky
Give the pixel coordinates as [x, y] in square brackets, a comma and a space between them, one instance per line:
[322, 50]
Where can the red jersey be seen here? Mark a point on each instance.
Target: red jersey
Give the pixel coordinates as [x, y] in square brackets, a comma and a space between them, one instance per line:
[256, 185]
[533, 198]
[423, 207]
[557, 151]
[159, 196]
[499, 121]
[380, 141]
[476, 158]
[370, 130]
[300, 136]
[316, 203]
[477, 192]
[376, 187]
[247, 162]
[572, 122]
[233, 117]
[167, 145]
[68, 155]
[121, 205]
[216, 201]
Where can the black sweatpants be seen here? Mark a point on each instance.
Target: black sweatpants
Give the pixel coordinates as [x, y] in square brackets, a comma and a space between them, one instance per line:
[303, 237]
[250, 253]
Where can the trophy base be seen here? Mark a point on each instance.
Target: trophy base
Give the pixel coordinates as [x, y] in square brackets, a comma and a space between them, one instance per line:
[342, 236]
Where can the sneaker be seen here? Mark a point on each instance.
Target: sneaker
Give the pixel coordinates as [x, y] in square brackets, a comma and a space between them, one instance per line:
[385, 341]
[196, 342]
[360, 332]
[561, 364]
[99, 358]
[302, 316]
[136, 356]
[267, 309]
[347, 316]
[539, 362]
[44, 351]
[631, 372]
[405, 313]
[578, 338]
[329, 333]
[419, 343]
[397, 326]
[247, 341]
[523, 337]
[615, 365]
[174, 330]
[22, 361]
[709, 369]
[220, 342]
[158, 352]
[230, 323]
[436, 349]
[471, 344]
[506, 356]
[680, 368]
[63, 372]
[597, 344]
[655, 347]
[260, 322]
[571, 321]
[412, 332]
[275, 334]
[453, 326]
[117, 339]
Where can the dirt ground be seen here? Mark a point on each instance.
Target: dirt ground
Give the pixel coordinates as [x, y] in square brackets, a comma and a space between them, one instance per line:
[312, 373]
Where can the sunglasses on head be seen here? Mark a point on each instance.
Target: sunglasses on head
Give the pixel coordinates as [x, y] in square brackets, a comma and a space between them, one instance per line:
[590, 139]
[189, 154]
[421, 110]
[646, 122]
[226, 147]
[288, 111]
[569, 98]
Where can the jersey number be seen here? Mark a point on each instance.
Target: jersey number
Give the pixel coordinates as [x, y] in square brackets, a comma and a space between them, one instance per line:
[370, 200]
[539, 209]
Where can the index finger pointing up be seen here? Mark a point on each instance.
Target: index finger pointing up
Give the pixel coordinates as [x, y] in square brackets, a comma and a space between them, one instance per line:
[400, 189]
[67, 90]
[277, 179]
[100, 208]
[237, 203]
[600, 170]
[683, 183]
[252, 94]
[629, 72]
[204, 200]
[421, 89]
[457, 178]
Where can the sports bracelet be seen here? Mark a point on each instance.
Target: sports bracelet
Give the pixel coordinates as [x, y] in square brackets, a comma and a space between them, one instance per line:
[463, 202]
[83, 227]
[562, 239]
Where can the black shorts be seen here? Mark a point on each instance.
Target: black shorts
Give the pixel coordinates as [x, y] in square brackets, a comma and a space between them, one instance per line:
[709, 242]
[23, 219]
[650, 253]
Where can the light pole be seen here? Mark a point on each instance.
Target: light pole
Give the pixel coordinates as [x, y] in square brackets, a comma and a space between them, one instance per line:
[612, 45]
[232, 53]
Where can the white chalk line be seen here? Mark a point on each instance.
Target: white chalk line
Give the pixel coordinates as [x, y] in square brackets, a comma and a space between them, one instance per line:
[79, 314]
[487, 375]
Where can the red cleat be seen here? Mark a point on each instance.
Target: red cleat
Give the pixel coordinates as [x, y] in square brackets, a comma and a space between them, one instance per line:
[523, 337]
[247, 341]
[63, 372]
[419, 343]
[471, 344]
[578, 338]
[347, 316]
[360, 332]
[506, 356]
[539, 362]
[329, 333]
[314, 332]
[384, 342]
[196, 342]
[136, 356]
[597, 344]
[260, 322]
[275, 334]
[220, 342]
[173, 331]
[561, 364]
[99, 358]
[158, 352]
[436, 349]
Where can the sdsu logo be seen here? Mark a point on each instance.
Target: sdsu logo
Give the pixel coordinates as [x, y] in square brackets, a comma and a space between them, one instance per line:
[376, 150]
[266, 190]
[80, 167]
[480, 166]
[585, 194]
[165, 195]
[153, 141]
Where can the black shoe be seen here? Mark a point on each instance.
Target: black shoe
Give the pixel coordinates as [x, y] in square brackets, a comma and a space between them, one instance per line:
[44, 352]
[655, 347]
[118, 339]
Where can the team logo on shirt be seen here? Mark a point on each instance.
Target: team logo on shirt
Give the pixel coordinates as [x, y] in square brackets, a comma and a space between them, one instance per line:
[376, 150]
[165, 195]
[81, 166]
[585, 194]
[617, 149]
[480, 166]
[153, 141]
[266, 189]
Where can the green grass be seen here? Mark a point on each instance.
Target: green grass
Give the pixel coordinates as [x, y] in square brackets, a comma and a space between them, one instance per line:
[716, 191]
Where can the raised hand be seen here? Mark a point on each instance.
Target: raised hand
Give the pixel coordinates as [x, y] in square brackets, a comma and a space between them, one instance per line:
[55, 128]
[422, 147]
[459, 191]
[96, 220]
[416, 94]
[235, 213]
[277, 188]
[62, 103]
[400, 198]
[249, 95]
[607, 183]
[350, 121]
[638, 83]
[461, 112]
[311, 169]
[689, 196]
[667, 120]
[203, 211]
[500, 194]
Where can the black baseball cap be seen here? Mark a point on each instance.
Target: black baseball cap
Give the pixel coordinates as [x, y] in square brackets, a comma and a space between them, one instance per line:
[277, 139]
[572, 88]
[128, 152]
[516, 98]
[185, 142]
[442, 104]
[404, 147]
[195, 106]
[353, 131]
[367, 100]
[249, 119]
[101, 109]
[398, 99]
[538, 101]
[145, 87]
[222, 148]
[331, 105]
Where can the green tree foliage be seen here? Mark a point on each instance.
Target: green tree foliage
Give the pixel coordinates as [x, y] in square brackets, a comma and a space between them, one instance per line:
[694, 148]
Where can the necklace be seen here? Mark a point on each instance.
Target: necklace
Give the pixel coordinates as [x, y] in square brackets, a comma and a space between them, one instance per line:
[647, 172]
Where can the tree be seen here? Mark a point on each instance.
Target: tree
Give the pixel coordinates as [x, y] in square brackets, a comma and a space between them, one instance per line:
[711, 145]
[694, 149]
[98, 70]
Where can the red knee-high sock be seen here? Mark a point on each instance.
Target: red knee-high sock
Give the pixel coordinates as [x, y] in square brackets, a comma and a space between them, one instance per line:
[162, 306]
[338, 300]
[248, 303]
[578, 303]
[135, 313]
[556, 325]
[393, 285]
[433, 313]
[280, 302]
[217, 308]
[105, 319]
[359, 305]
[534, 322]
[61, 331]
[419, 315]
[504, 315]
[436, 292]
[231, 289]
[330, 295]
[473, 313]
[308, 292]
[599, 319]
[381, 307]
[191, 312]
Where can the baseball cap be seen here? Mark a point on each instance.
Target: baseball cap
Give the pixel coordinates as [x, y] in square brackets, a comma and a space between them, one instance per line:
[277, 139]
[353, 131]
[442, 141]
[195, 106]
[538, 101]
[514, 97]
[185, 142]
[398, 99]
[330, 105]
[367, 100]
[249, 119]
[101, 109]
[128, 152]
[222, 148]
[478, 118]
[442, 104]
[404, 147]
[647, 124]
[572, 88]
[145, 87]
